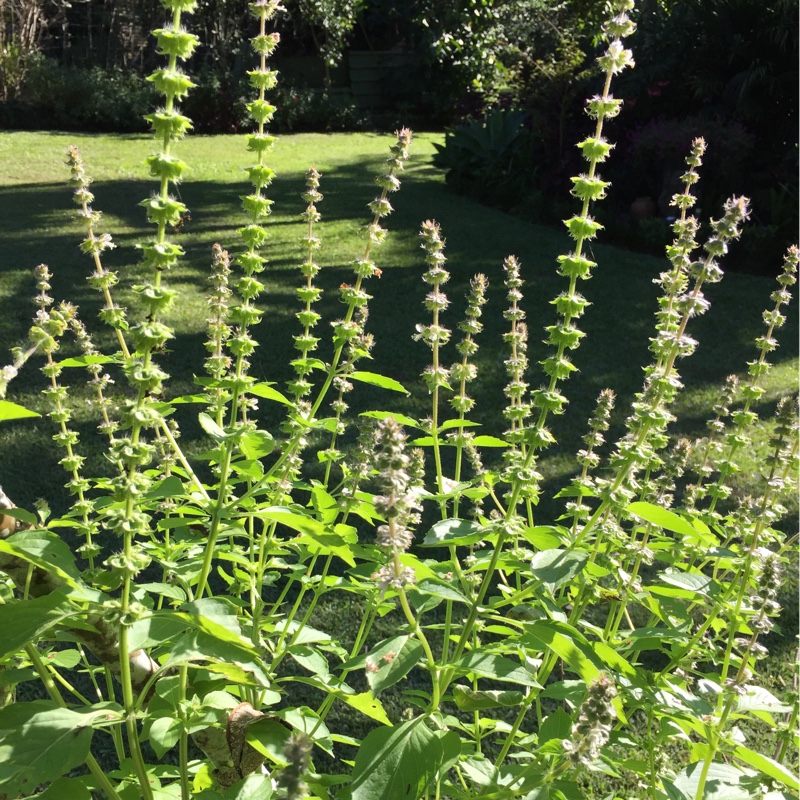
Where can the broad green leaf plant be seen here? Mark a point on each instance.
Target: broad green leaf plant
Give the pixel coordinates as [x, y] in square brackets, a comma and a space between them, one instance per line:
[176, 647]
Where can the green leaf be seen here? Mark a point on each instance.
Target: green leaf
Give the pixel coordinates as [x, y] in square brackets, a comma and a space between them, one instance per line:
[692, 582]
[256, 444]
[211, 427]
[397, 763]
[39, 744]
[543, 537]
[311, 659]
[268, 393]
[213, 637]
[556, 567]
[468, 699]
[454, 532]
[768, 766]
[574, 691]
[66, 659]
[391, 661]
[567, 646]
[367, 704]
[86, 361]
[374, 379]
[488, 441]
[661, 517]
[439, 589]
[45, 550]
[169, 487]
[66, 789]
[22, 514]
[292, 519]
[757, 698]
[269, 736]
[25, 621]
[164, 590]
[253, 787]
[457, 423]
[722, 783]
[164, 734]
[585, 658]
[9, 410]
[308, 722]
[400, 419]
[499, 668]
[327, 544]
[557, 726]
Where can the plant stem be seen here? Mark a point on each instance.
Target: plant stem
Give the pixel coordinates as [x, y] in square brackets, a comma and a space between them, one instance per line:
[47, 681]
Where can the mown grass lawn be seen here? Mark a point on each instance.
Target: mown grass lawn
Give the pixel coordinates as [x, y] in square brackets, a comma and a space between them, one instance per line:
[38, 225]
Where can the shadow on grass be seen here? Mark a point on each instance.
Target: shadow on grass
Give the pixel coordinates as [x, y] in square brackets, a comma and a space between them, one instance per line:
[37, 224]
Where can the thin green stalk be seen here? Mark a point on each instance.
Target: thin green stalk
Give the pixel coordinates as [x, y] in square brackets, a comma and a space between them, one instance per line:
[433, 668]
[361, 637]
[183, 744]
[52, 690]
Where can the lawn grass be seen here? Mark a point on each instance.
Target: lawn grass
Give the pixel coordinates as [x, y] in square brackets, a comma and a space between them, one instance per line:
[38, 225]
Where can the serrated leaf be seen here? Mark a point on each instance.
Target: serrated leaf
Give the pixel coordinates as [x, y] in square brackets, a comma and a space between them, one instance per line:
[449, 532]
[66, 789]
[256, 444]
[164, 589]
[756, 698]
[66, 659]
[400, 419]
[723, 782]
[253, 787]
[397, 763]
[39, 744]
[662, 517]
[556, 567]
[373, 379]
[768, 766]
[308, 722]
[169, 487]
[457, 423]
[468, 699]
[269, 737]
[292, 519]
[211, 427]
[543, 537]
[190, 398]
[311, 659]
[164, 734]
[557, 726]
[489, 441]
[367, 704]
[86, 361]
[391, 661]
[499, 668]
[25, 621]
[573, 691]
[691, 581]
[439, 589]
[45, 550]
[268, 393]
